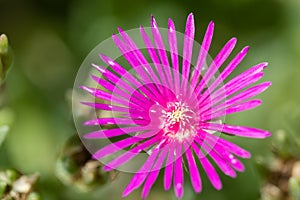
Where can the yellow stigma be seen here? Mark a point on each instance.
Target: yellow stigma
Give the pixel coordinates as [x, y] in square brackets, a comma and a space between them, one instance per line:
[180, 122]
[176, 115]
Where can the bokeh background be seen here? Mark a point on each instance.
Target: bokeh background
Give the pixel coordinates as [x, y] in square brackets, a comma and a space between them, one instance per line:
[50, 39]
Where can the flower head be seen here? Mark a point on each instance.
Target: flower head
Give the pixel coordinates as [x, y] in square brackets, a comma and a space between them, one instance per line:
[170, 110]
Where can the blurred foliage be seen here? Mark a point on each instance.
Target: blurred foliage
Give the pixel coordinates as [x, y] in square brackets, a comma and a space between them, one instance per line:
[50, 39]
[75, 167]
[281, 167]
[281, 170]
[14, 186]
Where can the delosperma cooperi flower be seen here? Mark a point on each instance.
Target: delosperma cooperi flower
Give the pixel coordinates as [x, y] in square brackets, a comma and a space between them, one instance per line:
[171, 110]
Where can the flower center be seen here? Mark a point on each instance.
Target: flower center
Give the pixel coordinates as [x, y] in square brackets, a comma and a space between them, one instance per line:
[176, 114]
[179, 121]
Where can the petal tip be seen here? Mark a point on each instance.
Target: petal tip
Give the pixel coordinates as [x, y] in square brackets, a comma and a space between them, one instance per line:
[86, 88]
[233, 40]
[107, 168]
[265, 64]
[120, 29]
[190, 17]
[125, 193]
[153, 22]
[88, 136]
[246, 49]
[268, 134]
[171, 23]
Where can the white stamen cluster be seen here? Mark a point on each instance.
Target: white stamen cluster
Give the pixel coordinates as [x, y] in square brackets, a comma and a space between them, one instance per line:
[178, 112]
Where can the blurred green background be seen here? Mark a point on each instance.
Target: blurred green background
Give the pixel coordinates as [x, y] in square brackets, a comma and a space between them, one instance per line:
[50, 39]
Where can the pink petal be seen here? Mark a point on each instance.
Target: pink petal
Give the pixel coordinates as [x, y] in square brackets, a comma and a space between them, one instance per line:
[118, 121]
[187, 49]
[242, 131]
[102, 106]
[228, 89]
[174, 54]
[231, 147]
[208, 168]
[122, 131]
[139, 56]
[248, 93]
[122, 84]
[178, 173]
[116, 146]
[226, 155]
[216, 64]
[140, 175]
[226, 169]
[223, 111]
[239, 82]
[116, 91]
[169, 169]
[154, 173]
[130, 154]
[161, 49]
[202, 54]
[194, 172]
[226, 72]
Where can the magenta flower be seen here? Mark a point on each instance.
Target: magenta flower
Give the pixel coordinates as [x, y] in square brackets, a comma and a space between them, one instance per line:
[172, 112]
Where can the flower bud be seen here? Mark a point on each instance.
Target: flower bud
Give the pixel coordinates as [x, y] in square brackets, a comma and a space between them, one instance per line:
[5, 57]
[75, 167]
[15, 186]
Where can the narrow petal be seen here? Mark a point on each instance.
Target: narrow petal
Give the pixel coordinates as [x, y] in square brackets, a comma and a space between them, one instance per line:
[100, 94]
[131, 59]
[121, 131]
[130, 154]
[227, 90]
[116, 91]
[117, 121]
[225, 167]
[172, 39]
[216, 64]
[242, 131]
[226, 72]
[169, 169]
[152, 53]
[248, 93]
[121, 71]
[154, 173]
[116, 146]
[161, 49]
[140, 175]
[231, 147]
[208, 168]
[124, 85]
[187, 50]
[178, 173]
[102, 106]
[202, 54]
[226, 155]
[138, 55]
[223, 111]
[194, 172]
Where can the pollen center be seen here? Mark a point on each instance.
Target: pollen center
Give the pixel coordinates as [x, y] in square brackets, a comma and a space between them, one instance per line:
[179, 121]
[176, 115]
